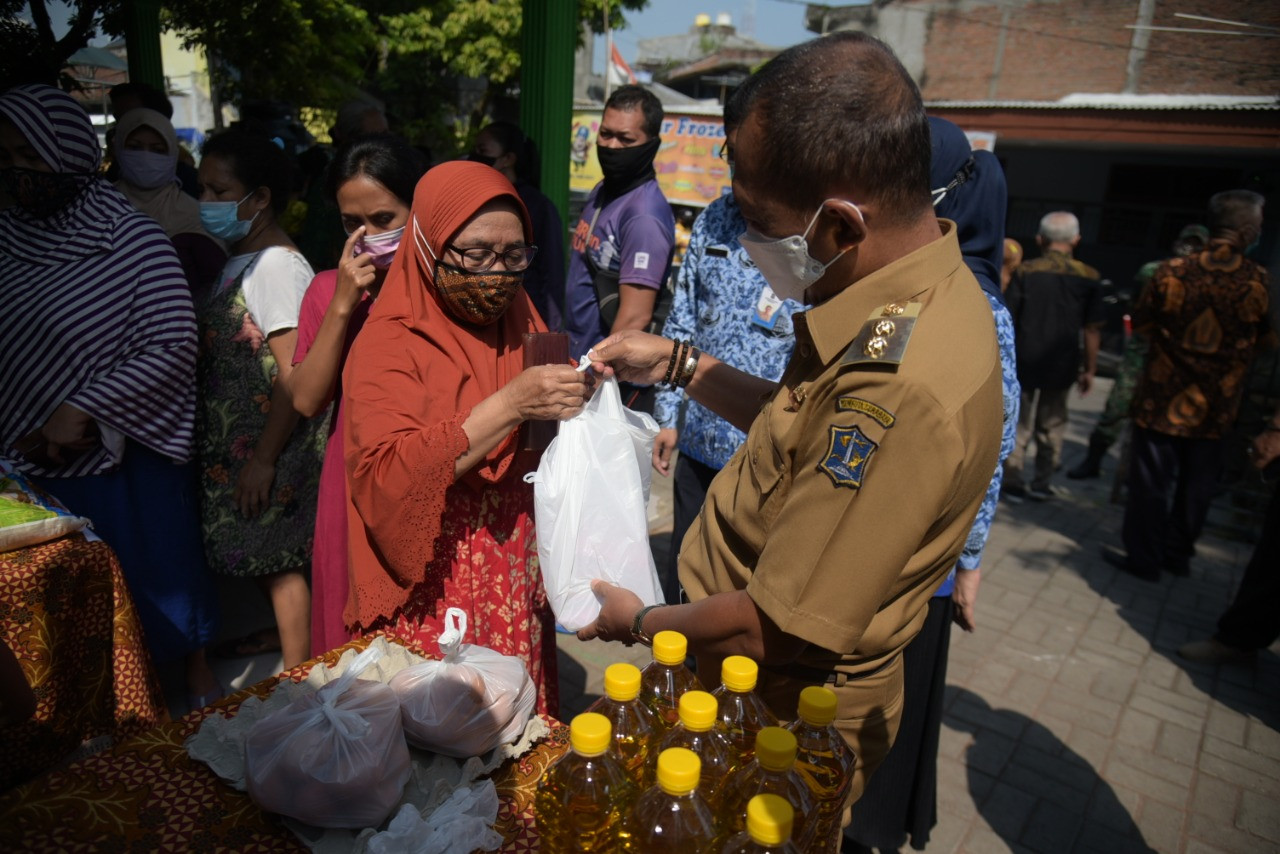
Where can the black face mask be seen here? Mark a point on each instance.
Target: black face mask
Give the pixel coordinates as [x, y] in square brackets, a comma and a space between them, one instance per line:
[482, 158]
[626, 168]
[41, 194]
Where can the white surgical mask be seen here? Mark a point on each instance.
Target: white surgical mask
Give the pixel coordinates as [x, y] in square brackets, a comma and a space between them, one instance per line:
[785, 262]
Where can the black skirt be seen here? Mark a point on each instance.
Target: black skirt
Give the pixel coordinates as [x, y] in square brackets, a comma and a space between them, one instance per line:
[901, 798]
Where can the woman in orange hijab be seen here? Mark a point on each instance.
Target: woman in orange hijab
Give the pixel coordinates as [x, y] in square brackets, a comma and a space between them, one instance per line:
[436, 391]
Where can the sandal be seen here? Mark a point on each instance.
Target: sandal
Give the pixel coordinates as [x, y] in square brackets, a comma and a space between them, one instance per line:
[261, 642]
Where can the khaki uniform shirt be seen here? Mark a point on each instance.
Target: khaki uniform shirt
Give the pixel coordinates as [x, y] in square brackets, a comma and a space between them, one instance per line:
[853, 494]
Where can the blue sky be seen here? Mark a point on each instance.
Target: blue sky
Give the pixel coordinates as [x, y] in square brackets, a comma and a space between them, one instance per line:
[778, 23]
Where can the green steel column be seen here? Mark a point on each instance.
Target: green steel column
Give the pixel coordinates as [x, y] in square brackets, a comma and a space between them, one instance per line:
[549, 39]
[142, 40]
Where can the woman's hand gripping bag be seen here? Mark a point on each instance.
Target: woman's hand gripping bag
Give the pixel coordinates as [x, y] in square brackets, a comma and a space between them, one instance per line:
[335, 758]
[590, 498]
[467, 703]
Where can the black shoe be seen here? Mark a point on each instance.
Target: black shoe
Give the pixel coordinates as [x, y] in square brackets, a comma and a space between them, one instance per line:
[1014, 493]
[1091, 466]
[1041, 493]
[1121, 561]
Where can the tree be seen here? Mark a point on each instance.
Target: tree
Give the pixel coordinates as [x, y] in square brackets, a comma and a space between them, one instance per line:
[306, 52]
[31, 53]
[479, 39]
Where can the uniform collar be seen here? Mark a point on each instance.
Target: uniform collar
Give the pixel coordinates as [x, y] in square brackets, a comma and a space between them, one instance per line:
[834, 324]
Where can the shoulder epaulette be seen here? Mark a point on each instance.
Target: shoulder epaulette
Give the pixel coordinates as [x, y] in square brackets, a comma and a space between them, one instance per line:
[883, 338]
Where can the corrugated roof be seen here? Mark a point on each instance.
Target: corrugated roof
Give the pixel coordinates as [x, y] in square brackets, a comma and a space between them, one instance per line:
[1118, 101]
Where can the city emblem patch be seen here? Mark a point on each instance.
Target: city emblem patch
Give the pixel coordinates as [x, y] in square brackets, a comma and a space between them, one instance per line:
[847, 456]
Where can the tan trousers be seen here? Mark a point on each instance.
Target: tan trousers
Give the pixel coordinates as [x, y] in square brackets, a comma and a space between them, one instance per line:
[1044, 418]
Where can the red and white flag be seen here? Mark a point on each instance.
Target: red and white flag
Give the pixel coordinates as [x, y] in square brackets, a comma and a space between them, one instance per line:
[620, 74]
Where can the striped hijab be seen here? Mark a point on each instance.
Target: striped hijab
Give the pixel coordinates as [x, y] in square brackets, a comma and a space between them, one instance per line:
[97, 311]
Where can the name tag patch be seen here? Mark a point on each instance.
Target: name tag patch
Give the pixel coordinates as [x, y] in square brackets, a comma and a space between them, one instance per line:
[848, 453]
[641, 261]
[866, 407]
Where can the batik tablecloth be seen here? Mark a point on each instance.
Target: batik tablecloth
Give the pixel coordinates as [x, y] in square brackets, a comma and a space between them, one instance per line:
[66, 614]
[147, 794]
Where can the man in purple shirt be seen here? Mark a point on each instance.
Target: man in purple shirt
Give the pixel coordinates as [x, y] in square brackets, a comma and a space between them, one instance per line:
[623, 242]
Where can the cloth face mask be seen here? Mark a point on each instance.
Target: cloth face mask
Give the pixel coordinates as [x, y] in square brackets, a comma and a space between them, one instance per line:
[478, 298]
[41, 194]
[146, 169]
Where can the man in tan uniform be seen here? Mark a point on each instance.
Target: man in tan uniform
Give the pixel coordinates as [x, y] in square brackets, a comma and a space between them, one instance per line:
[823, 538]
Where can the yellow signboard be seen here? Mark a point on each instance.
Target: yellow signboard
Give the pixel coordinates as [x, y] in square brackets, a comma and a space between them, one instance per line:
[690, 169]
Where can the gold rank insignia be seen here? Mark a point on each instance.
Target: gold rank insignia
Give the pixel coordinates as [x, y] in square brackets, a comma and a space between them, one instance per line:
[883, 338]
[848, 453]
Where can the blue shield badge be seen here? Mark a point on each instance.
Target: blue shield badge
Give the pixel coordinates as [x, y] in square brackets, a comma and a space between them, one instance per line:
[847, 456]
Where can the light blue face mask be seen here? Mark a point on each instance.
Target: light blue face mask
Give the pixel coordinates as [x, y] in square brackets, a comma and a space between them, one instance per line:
[222, 220]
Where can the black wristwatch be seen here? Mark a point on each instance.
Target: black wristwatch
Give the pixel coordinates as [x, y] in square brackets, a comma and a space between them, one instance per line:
[637, 625]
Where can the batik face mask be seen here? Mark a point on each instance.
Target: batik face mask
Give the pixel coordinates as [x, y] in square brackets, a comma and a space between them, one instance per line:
[477, 298]
[41, 194]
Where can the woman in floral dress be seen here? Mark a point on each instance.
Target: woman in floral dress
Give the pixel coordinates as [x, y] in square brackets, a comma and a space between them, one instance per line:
[260, 462]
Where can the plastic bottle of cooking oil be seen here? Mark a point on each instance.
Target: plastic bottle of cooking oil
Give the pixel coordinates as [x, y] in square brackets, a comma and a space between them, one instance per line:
[769, 820]
[771, 771]
[583, 798]
[824, 760]
[672, 817]
[666, 678]
[696, 731]
[742, 713]
[635, 728]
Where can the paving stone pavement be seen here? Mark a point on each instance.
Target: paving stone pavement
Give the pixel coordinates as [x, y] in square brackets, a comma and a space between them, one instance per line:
[1071, 724]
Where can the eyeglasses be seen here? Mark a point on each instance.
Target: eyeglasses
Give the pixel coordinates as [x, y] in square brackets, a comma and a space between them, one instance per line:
[477, 259]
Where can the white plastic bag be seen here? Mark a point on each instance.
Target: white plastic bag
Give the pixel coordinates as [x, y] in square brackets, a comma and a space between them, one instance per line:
[590, 498]
[467, 703]
[335, 758]
[460, 825]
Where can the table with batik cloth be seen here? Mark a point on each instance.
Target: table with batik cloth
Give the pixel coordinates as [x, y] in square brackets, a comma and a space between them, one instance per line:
[147, 794]
[67, 616]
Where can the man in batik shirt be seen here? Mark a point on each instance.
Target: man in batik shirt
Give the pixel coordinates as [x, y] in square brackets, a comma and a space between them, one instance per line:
[1205, 317]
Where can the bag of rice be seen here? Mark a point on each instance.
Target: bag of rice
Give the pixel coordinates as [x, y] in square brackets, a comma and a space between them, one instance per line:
[469, 702]
[335, 758]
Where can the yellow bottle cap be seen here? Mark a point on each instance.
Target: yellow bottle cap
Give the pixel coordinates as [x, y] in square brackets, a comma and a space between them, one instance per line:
[678, 770]
[622, 682]
[775, 749]
[817, 705]
[739, 673]
[590, 734]
[670, 648]
[769, 819]
[698, 710]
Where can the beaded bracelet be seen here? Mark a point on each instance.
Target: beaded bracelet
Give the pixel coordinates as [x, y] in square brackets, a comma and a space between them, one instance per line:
[671, 364]
[677, 365]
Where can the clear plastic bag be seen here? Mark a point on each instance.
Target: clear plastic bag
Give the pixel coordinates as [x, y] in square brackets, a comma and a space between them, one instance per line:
[335, 758]
[590, 498]
[467, 703]
[460, 825]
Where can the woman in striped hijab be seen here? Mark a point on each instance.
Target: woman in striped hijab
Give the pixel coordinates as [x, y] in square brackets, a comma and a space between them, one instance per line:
[99, 366]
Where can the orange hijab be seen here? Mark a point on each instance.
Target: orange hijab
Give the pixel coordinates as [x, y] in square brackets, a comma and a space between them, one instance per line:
[411, 379]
